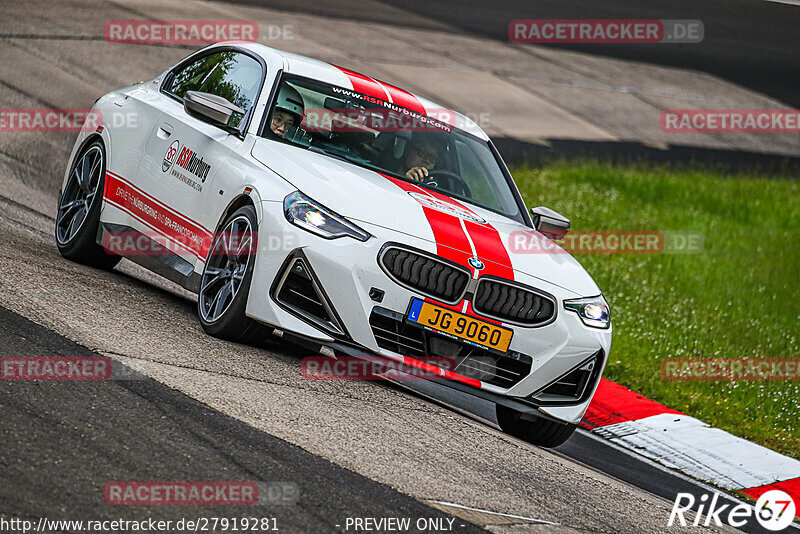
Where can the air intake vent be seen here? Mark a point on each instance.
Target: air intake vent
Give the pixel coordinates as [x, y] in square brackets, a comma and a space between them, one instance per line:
[427, 274]
[397, 336]
[512, 303]
[574, 386]
[503, 371]
[298, 291]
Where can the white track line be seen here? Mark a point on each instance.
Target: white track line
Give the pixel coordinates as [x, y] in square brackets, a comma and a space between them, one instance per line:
[512, 516]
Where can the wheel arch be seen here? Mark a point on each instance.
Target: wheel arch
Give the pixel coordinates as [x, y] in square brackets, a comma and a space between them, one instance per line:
[241, 200]
[76, 152]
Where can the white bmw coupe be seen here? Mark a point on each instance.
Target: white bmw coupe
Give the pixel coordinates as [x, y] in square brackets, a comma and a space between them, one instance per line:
[307, 201]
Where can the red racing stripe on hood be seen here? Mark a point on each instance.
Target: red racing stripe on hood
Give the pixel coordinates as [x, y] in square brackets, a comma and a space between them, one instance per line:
[488, 243]
[485, 239]
[451, 241]
[453, 236]
[490, 247]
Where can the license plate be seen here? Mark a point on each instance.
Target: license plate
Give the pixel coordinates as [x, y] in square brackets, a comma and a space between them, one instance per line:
[458, 325]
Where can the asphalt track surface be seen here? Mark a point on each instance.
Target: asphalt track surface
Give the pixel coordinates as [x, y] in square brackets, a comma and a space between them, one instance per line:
[751, 42]
[67, 438]
[209, 409]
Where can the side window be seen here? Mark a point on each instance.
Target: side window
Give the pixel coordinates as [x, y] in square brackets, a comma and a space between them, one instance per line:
[229, 74]
[473, 173]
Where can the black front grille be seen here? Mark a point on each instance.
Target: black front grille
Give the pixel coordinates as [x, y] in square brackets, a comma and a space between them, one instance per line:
[392, 333]
[426, 274]
[513, 303]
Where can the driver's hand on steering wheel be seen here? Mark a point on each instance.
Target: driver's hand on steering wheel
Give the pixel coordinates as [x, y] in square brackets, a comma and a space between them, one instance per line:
[418, 174]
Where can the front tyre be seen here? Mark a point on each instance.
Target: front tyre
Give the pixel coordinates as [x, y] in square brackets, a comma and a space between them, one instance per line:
[225, 284]
[78, 214]
[536, 430]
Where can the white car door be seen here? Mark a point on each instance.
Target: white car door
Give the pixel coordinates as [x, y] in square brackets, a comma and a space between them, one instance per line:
[127, 120]
[183, 154]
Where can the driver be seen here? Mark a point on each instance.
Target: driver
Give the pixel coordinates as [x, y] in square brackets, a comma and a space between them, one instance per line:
[288, 110]
[421, 155]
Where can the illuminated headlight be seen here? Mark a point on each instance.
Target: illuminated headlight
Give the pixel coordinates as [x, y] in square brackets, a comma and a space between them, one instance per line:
[317, 219]
[593, 311]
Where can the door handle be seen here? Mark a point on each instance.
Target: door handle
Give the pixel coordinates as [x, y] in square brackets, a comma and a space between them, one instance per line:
[164, 131]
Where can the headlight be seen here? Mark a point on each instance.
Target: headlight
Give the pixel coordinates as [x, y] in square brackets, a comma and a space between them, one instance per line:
[593, 311]
[317, 219]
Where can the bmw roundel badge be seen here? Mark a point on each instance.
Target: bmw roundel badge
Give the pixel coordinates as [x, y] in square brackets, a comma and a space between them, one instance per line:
[476, 263]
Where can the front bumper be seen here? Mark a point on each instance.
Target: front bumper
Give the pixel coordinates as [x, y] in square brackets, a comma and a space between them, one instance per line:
[350, 277]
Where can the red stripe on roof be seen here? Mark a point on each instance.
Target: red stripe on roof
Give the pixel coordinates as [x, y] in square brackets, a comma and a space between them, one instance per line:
[613, 403]
[364, 84]
[372, 87]
[404, 98]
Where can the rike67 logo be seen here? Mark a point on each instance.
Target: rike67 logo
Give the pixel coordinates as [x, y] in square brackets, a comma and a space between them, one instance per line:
[774, 510]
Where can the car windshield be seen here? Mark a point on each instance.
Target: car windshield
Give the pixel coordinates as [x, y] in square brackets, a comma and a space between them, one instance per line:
[424, 149]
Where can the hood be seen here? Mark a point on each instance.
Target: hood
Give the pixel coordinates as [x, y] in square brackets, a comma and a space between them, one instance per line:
[367, 196]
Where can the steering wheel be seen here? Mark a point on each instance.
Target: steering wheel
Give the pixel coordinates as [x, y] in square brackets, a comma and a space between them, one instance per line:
[455, 183]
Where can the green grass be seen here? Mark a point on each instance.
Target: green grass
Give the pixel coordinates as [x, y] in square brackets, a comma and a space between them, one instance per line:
[739, 297]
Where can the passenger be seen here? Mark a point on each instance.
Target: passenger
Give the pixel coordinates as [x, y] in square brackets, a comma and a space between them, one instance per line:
[288, 111]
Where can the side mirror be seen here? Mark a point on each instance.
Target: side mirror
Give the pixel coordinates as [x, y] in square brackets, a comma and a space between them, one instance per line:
[209, 108]
[550, 223]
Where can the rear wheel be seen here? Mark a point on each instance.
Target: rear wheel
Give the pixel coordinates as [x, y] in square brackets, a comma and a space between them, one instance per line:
[536, 430]
[225, 284]
[79, 210]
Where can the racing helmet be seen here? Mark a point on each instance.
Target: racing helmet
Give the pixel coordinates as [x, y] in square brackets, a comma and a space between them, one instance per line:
[289, 100]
